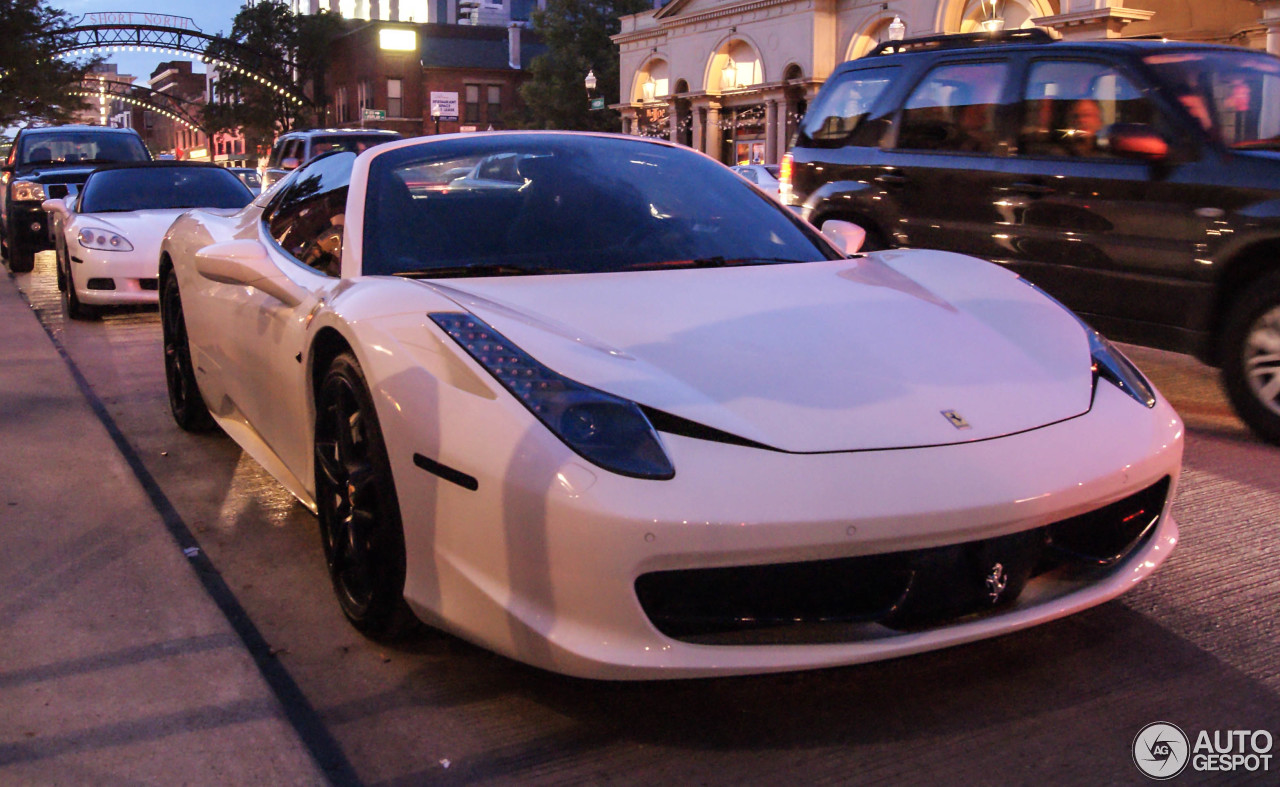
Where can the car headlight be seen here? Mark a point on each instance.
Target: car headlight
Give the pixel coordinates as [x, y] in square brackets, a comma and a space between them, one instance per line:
[1108, 362]
[103, 240]
[25, 190]
[1111, 365]
[604, 429]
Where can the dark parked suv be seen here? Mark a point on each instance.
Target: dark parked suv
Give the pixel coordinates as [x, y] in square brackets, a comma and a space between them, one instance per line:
[49, 163]
[1137, 181]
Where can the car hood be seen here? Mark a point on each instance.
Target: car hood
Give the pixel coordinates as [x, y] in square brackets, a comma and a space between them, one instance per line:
[856, 354]
[143, 228]
[64, 173]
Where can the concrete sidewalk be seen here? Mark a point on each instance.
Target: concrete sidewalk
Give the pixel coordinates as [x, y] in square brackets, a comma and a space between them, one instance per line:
[116, 664]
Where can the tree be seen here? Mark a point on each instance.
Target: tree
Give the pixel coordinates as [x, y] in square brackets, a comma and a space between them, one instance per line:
[35, 84]
[576, 33]
[270, 44]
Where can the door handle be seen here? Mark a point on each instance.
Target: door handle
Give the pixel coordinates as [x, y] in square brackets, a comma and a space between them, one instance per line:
[1032, 189]
[891, 180]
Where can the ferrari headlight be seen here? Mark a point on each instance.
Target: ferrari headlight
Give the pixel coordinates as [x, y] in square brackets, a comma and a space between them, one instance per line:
[604, 429]
[1108, 362]
[25, 190]
[103, 240]
[1111, 365]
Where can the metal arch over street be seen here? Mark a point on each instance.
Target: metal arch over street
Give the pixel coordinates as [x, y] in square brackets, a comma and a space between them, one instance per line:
[173, 107]
[125, 31]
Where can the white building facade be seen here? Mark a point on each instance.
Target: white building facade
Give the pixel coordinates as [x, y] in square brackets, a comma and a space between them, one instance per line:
[733, 78]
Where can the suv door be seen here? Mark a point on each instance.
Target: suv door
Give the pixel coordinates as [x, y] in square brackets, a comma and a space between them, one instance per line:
[1111, 236]
[948, 154]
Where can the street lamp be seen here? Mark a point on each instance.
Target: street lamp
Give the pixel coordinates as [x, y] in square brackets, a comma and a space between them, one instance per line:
[435, 115]
[648, 89]
[729, 76]
[590, 82]
[897, 30]
[993, 23]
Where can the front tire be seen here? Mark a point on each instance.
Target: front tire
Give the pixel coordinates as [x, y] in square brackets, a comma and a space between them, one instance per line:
[21, 259]
[75, 309]
[1251, 359]
[185, 401]
[360, 525]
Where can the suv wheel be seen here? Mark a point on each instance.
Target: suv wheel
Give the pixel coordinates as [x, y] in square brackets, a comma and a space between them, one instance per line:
[21, 260]
[1251, 366]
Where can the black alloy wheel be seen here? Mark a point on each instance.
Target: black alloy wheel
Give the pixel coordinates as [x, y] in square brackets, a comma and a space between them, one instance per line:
[1251, 360]
[185, 401]
[359, 513]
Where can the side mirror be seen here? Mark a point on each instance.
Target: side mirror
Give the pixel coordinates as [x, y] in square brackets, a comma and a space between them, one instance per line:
[847, 236]
[1134, 140]
[245, 263]
[289, 163]
[54, 206]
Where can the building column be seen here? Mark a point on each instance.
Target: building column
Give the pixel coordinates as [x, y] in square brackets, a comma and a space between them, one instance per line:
[673, 122]
[771, 155]
[780, 132]
[714, 132]
[695, 120]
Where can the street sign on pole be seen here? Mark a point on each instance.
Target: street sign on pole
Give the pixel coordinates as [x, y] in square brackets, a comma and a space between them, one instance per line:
[597, 102]
[375, 114]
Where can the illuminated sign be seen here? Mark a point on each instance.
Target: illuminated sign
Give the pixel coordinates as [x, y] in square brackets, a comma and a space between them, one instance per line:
[398, 39]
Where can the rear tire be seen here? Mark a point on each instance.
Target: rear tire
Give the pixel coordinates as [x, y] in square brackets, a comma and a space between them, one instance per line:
[185, 401]
[360, 526]
[1251, 358]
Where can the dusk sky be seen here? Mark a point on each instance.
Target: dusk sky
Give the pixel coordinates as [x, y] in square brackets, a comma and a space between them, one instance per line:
[211, 16]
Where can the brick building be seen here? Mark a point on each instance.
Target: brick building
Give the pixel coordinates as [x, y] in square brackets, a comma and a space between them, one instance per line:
[474, 71]
[175, 78]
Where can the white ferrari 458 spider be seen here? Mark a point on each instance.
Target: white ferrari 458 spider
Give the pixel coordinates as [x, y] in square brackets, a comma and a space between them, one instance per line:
[620, 415]
[107, 236]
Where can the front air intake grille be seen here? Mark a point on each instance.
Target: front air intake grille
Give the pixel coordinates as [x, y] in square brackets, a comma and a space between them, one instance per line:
[101, 284]
[149, 284]
[902, 591]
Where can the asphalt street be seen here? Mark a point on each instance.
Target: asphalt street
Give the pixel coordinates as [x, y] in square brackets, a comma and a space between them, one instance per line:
[1198, 645]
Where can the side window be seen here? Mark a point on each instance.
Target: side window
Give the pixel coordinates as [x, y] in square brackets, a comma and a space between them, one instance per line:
[308, 217]
[749, 174]
[953, 109]
[844, 104]
[1067, 103]
[296, 149]
[276, 154]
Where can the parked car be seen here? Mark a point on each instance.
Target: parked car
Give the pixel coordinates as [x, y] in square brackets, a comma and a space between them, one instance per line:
[249, 177]
[763, 175]
[107, 236]
[296, 148]
[52, 163]
[1137, 181]
[532, 417]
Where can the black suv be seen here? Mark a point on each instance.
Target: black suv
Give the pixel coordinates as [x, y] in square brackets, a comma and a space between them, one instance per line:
[49, 163]
[1138, 181]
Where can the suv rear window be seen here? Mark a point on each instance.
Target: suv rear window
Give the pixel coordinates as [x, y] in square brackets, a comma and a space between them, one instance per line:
[80, 146]
[844, 105]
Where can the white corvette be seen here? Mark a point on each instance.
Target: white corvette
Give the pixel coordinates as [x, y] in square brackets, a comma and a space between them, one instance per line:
[626, 417]
[107, 236]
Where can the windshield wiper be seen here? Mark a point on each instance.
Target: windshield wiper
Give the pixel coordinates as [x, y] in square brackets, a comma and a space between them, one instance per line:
[717, 261]
[462, 271]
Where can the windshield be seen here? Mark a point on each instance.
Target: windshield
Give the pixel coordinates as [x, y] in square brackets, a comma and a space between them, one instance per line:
[1235, 96]
[80, 146]
[568, 204]
[160, 188]
[355, 143]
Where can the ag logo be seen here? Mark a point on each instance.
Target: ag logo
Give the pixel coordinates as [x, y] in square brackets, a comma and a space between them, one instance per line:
[1160, 750]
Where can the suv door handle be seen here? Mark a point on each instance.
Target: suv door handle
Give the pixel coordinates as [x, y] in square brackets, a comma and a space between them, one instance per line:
[891, 180]
[1032, 189]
